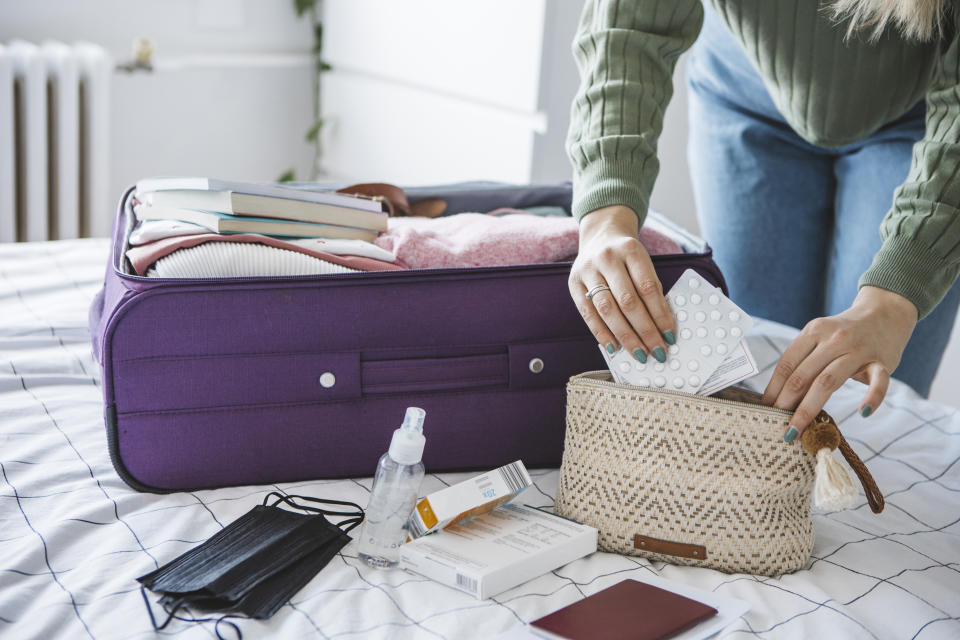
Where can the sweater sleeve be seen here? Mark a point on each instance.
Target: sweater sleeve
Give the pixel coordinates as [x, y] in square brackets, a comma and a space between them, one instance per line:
[920, 255]
[626, 51]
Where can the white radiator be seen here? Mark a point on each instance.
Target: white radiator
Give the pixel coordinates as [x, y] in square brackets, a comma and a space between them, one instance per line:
[54, 141]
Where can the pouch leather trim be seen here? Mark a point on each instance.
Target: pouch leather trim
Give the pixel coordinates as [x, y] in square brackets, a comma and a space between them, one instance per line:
[668, 548]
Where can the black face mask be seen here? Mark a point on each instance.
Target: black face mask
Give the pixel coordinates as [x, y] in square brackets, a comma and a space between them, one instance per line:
[254, 564]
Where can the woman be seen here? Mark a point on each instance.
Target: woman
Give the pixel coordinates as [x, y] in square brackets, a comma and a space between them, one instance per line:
[806, 125]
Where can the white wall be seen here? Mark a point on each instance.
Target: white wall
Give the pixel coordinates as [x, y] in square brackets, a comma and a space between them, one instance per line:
[231, 95]
[432, 91]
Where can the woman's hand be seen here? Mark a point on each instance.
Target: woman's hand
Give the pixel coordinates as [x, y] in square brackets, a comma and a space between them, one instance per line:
[633, 312]
[865, 343]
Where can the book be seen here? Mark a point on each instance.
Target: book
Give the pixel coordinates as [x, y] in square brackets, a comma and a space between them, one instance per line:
[629, 610]
[469, 498]
[351, 201]
[498, 550]
[245, 204]
[226, 223]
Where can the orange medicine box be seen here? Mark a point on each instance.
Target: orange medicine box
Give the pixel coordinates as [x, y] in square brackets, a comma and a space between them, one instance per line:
[468, 498]
[498, 550]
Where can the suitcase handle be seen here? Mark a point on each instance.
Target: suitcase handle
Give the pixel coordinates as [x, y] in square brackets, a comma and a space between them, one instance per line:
[523, 366]
[434, 374]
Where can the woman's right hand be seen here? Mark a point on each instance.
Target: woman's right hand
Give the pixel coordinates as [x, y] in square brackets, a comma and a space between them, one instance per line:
[633, 313]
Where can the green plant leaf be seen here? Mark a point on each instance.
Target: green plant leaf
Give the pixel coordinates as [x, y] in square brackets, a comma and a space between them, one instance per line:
[318, 37]
[314, 131]
[288, 176]
[323, 66]
[303, 6]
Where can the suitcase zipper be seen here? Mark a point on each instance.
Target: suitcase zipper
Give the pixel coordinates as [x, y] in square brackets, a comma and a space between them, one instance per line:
[587, 378]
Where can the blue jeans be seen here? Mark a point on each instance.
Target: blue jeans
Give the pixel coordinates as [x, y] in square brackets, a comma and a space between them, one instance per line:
[794, 226]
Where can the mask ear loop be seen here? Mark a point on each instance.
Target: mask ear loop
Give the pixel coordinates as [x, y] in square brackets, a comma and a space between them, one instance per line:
[352, 522]
[291, 500]
[180, 603]
[170, 613]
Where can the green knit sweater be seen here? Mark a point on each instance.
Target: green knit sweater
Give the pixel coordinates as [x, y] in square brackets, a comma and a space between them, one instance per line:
[832, 92]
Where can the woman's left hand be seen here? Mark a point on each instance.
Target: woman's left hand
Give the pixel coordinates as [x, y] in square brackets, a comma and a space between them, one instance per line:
[865, 343]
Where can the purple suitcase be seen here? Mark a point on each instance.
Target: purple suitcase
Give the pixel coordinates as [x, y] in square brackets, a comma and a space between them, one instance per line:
[216, 382]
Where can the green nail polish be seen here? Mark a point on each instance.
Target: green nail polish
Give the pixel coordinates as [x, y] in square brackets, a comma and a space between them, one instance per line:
[790, 435]
[866, 411]
[660, 354]
[610, 348]
[669, 337]
[640, 355]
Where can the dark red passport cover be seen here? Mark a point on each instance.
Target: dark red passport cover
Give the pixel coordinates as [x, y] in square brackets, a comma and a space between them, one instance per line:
[628, 610]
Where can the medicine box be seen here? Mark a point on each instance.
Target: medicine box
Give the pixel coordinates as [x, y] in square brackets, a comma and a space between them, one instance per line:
[498, 550]
[468, 498]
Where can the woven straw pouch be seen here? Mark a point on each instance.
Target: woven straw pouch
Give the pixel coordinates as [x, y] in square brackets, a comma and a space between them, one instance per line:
[689, 479]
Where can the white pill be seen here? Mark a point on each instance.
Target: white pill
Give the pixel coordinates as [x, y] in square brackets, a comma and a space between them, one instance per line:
[679, 301]
[694, 381]
[643, 382]
[706, 350]
[735, 332]
[685, 334]
[700, 316]
[694, 283]
[695, 298]
[701, 332]
[674, 364]
[660, 381]
[639, 366]
[673, 349]
[693, 365]
[734, 315]
[681, 316]
[715, 315]
[714, 299]
[720, 333]
[625, 367]
[721, 349]
[678, 382]
[658, 367]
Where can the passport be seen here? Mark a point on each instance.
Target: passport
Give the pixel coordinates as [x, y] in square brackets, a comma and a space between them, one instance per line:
[629, 610]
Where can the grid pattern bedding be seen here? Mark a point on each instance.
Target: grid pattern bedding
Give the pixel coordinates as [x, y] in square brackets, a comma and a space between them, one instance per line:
[73, 537]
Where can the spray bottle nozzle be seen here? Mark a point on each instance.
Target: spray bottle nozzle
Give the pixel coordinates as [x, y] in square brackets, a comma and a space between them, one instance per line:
[413, 419]
[406, 446]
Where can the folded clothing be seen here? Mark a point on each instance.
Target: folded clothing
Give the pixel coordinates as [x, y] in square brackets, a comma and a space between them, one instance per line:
[143, 256]
[460, 240]
[482, 240]
[240, 260]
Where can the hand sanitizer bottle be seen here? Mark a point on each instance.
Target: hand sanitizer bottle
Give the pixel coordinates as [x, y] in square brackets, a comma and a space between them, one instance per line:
[394, 493]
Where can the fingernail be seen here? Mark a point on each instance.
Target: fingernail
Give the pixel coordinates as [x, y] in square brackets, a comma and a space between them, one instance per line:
[791, 434]
[669, 337]
[610, 348]
[866, 411]
[660, 354]
[640, 355]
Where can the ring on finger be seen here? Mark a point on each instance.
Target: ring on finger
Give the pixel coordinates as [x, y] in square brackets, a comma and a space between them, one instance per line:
[597, 289]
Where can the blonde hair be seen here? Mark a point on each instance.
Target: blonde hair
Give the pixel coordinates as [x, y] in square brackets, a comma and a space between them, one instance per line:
[919, 20]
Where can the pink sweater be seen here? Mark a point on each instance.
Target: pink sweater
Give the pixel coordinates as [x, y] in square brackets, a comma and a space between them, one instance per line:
[484, 240]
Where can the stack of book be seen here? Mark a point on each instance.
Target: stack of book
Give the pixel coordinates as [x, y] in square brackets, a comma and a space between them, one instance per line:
[241, 207]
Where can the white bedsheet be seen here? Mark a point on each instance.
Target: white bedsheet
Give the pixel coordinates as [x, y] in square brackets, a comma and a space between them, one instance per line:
[73, 537]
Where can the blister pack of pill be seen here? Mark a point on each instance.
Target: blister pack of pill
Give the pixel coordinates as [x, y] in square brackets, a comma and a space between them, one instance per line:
[709, 353]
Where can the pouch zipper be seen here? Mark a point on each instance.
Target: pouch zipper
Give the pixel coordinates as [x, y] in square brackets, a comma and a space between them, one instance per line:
[584, 378]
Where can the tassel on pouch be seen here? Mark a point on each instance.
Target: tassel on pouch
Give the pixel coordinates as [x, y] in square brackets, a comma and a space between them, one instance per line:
[833, 488]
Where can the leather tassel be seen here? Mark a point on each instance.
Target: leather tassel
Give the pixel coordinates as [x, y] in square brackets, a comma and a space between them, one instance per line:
[832, 489]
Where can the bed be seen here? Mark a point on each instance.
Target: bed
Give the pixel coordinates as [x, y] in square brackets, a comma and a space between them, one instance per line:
[73, 536]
